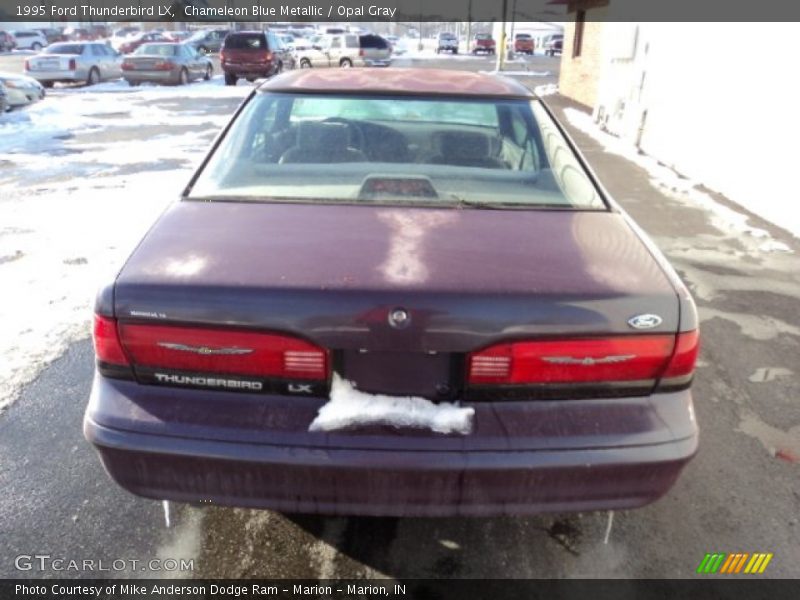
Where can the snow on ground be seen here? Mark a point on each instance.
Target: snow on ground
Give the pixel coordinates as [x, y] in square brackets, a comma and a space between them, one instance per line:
[349, 407]
[681, 188]
[77, 191]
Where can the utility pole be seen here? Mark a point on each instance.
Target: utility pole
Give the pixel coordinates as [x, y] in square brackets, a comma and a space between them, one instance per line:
[501, 46]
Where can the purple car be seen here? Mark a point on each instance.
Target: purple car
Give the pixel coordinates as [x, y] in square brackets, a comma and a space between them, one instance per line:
[395, 292]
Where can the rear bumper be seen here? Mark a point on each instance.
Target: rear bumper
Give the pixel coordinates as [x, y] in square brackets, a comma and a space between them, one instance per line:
[406, 478]
[59, 76]
[154, 76]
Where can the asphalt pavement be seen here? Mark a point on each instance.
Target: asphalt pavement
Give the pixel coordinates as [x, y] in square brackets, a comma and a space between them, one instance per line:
[740, 494]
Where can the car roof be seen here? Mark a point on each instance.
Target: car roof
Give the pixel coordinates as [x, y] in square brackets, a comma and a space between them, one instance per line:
[421, 82]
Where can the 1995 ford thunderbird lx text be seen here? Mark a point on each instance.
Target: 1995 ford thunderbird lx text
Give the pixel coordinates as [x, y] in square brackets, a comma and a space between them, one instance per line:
[395, 292]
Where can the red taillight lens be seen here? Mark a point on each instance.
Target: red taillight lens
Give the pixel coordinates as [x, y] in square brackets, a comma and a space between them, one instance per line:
[27, 65]
[107, 347]
[268, 57]
[681, 365]
[628, 358]
[164, 65]
[203, 350]
[126, 66]
[72, 64]
[361, 52]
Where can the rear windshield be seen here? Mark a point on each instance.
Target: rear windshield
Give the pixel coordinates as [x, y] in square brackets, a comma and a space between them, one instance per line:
[158, 49]
[246, 41]
[373, 41]
[406, 150]
[64, 49]
[523, 36]
[483, 36]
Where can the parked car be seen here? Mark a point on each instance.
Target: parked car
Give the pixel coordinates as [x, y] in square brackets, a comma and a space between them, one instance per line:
[29, 39]
[253, 352]
[553, 45]
[172, 63]
[483, 43]
[122, 35]
[20, 90]
[447, 42]
[250, 55]
[208, 40]
[348, 50]
[79, 34]
[523, 43]
[7, 42]
[53, 34]
[70, 62]
[133, 42]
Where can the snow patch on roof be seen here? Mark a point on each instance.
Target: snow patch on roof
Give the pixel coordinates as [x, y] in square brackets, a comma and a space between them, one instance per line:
[349, 407]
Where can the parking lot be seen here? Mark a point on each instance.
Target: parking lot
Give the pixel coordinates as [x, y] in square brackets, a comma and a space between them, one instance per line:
[83, 174]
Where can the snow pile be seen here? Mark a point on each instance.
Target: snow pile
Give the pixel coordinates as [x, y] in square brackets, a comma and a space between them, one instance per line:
[349, 407]
[680, 188]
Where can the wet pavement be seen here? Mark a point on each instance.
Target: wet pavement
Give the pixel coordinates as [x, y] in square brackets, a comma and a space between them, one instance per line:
[740, 494]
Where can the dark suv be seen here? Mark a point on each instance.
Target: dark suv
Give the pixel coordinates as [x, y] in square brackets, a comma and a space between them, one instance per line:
[448, 42]
[250, 55]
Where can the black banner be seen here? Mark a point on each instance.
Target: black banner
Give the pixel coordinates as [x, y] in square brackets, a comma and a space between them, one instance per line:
[731, 588]
[71, 11]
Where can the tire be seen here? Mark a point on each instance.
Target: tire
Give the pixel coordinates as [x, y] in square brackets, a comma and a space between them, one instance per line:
[230, 79]
[455, 51]
[183, 77]
[94, 76]
[279, 70]
[345, 63]
[133, 83]
[209, 73]
[305, 64]
[48, 84]
[36, 46]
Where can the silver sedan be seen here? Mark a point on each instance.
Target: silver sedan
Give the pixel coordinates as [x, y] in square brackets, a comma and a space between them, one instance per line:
[166, 63]
[88, 62]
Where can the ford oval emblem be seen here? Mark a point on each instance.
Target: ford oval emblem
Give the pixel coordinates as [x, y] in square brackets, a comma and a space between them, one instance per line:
[399, 318]
[647, 321]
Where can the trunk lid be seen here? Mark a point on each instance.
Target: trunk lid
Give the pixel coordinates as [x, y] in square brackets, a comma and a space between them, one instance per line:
[332, 274]
[51, 62]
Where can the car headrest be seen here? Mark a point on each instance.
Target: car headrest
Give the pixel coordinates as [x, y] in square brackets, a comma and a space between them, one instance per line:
[313, 134]
[462, 144]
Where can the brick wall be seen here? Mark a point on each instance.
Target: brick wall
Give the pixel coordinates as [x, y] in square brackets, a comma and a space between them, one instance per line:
[580, 75]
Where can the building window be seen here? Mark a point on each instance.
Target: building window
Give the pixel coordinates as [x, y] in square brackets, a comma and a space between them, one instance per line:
[577, 41]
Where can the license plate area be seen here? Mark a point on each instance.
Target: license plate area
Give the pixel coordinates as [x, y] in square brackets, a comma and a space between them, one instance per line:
[433, 376]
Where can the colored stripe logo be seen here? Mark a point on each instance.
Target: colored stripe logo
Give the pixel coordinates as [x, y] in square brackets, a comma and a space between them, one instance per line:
[735, 563]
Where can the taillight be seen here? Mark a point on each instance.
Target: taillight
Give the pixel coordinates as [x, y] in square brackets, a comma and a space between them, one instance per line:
[681, 366]
[126, 66]
[361, 52]
[164, 65]
[268, 57]
[107, 347]
[222, 55]
[72, 64]
[645, 359]
[202, 350]
[27, 65]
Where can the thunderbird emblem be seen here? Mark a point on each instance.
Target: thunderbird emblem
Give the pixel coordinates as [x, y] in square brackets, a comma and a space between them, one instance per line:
[587, 361]
[205, 350]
